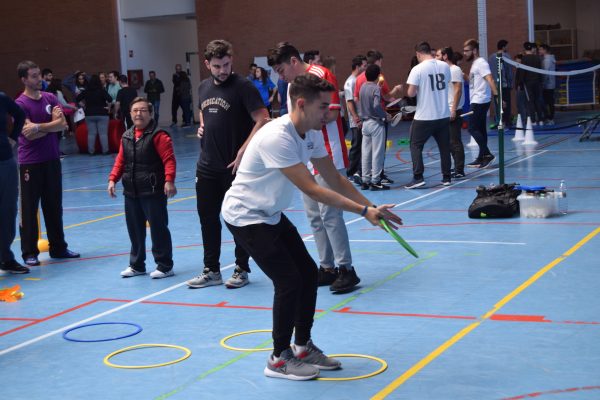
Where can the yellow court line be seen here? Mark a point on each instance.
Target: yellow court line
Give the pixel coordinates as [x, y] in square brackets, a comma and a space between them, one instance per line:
[469, 328]
[118, 215]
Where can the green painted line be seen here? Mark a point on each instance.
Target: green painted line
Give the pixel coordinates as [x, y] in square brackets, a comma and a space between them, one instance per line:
[266, 343]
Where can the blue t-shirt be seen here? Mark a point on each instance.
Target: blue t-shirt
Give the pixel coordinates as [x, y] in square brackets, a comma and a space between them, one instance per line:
[282, 87]
[264, 89]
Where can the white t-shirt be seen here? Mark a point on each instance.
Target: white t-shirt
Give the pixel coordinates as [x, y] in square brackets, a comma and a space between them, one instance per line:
[349, 95]
[456, 77]
[479, 89]
[432, 77]
[260, 191]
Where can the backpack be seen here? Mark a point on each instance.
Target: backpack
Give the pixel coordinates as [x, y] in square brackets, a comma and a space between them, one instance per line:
[498, 201]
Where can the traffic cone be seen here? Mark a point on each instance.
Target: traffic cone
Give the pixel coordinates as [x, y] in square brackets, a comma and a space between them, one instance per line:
[519, 134]
[529, 139]
[472, 143]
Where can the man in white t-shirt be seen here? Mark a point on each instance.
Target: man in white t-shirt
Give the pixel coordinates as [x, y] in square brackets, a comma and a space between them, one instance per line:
[429, 81]
[481, 83]
[456, 100]
[359, 64]
[327, 223]
[273, 164]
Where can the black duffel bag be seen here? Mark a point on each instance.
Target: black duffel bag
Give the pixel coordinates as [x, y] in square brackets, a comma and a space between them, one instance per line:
[498, 201]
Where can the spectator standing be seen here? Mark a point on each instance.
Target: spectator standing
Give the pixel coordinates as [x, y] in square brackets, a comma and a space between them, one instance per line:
[507, 82]
[153, 89]
[359, 64]
[97, 103]
[124, 99]
[265, 87]
[549, 82]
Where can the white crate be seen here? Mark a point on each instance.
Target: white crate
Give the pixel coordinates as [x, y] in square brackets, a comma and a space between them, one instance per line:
[538, 205]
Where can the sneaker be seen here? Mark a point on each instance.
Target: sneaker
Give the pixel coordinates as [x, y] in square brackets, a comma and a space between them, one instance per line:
[345, 281]
[238, 279]
[314, 356]
[475, 163]
[13, 267]
[386, 181]
[206, 278]
[446, 182]
[185, 125]
[173, 125]
[130, 271]
[357, 179]
[158, 274]
[289, 367]
[415, 183]
[364, 186]
[408, 109]
[66, 254]
[458, 175]
[379, 186]
[32, 261]
[327, 276]
[487, 161]
[396, 119]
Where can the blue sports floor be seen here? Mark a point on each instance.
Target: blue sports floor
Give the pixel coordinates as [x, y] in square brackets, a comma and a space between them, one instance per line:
[492, 309]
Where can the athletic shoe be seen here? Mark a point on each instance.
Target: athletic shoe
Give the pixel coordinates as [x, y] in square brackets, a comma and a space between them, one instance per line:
[458, 175]
[238, 279]
[475, 163]
[157, 274]
[327, 276]
[185, 125]
[345, 281]
[289, 367]
[415, 183]
[386, 181]
[66, 254]
[173, 125]
[357, 179]
[364, 186]
[446, 182]
[13, 267]
[396, 119]
[206, 278]
[379, 186]
[32, 261]
[314, 356]
[549, 122]
[487, 161]
[130, 271]
[408, 109]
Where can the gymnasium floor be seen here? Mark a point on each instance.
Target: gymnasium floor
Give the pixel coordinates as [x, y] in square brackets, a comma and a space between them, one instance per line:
[492, 309]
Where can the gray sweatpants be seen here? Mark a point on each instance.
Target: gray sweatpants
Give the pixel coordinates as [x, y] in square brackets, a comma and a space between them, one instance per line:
[373, 150]
[329, 230]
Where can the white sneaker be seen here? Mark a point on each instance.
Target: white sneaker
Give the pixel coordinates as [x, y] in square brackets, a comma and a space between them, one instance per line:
[130, 271]
[396, 119]
[206, 278]
[156, 274]
[238, 279]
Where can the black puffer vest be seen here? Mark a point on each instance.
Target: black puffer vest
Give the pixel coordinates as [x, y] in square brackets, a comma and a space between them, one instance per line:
[144, 173]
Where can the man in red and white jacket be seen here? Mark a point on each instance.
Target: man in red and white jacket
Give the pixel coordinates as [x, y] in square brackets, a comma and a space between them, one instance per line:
[327, 222]
[146, 163]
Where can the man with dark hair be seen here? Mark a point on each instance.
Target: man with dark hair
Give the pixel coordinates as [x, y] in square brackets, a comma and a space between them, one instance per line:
[507, 82]
[39, 166]
[549, 83]
[481, 84]
[327, 223]
[146, 162]
[312, 57]
[124, 99]
[231, 111]
[113, 86]
[359, 64]
[9, 183]
[47, 76]
[153, 88]
[182, 97]
[275, 163]
[531, 82]
[429, 81]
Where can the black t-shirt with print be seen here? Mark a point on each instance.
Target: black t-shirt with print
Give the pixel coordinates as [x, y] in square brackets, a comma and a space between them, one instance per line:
[226, 111]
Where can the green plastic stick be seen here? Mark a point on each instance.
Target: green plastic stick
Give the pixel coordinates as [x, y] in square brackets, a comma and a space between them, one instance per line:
[398, 238]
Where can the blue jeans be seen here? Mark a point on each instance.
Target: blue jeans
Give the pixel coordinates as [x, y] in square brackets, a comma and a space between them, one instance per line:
[156, 107]
[97, 124]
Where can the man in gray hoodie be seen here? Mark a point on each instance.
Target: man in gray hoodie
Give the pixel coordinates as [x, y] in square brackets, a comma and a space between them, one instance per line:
[548, 83]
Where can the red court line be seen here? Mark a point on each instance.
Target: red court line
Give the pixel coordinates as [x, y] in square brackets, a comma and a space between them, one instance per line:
[17, 319]
[489, 223]
[556, 391]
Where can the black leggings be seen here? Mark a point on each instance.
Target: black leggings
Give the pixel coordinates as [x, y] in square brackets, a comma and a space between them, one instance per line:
[478, 129]
[281, 254]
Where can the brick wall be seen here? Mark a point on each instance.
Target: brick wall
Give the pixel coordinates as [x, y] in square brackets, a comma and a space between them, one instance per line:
[64, 36]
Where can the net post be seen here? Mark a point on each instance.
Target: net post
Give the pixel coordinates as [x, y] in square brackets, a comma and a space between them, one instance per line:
[500, 109]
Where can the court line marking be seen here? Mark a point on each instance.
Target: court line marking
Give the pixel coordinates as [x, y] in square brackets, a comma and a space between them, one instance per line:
[396, 383]
[433, 241]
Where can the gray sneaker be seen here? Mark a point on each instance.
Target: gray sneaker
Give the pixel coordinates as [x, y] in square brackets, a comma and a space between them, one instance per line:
[206, 278]
[238, 279]
[315, 357]
[130, 271]
[289, 367]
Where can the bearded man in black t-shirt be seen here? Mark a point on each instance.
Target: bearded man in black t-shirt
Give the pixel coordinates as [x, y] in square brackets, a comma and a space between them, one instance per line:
[231, 110]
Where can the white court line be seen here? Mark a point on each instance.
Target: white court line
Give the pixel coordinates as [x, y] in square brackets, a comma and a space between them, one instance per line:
[433, 241]
[133, 302]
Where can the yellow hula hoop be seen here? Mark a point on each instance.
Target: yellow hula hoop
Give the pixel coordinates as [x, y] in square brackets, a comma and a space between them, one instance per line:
[187, 352]
[353, 378]
[226, 338]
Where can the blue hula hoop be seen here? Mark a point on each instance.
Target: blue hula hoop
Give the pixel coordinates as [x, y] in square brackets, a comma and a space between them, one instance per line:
[65, 333]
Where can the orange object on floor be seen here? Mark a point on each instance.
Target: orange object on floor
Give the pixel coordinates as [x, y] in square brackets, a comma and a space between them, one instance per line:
[10, 295]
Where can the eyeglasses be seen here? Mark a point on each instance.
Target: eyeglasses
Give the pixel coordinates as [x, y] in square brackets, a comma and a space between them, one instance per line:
[467, 51]
[140, 110]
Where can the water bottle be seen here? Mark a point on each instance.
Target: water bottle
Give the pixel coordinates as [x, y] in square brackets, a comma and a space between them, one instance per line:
[562, 198]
